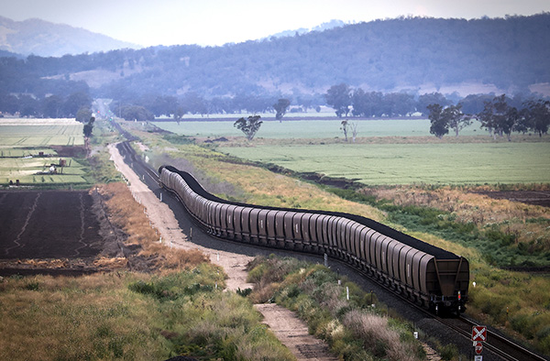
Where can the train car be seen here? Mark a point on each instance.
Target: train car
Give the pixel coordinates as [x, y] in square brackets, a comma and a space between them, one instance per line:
[426, 274]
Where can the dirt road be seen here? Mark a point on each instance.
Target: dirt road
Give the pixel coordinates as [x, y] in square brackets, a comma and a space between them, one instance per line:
[291, 331]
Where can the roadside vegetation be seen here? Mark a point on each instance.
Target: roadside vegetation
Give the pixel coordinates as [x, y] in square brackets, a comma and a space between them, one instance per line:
[132, 316]
[358, 328]
[505, 236]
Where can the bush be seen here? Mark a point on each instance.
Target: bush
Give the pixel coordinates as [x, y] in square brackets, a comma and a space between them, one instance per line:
[448, 352]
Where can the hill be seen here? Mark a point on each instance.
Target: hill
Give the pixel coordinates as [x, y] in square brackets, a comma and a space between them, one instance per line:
[39, 37]
[412, 54]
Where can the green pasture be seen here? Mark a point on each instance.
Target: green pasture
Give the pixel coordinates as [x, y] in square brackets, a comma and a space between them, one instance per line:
[33, 171]
[40, 133]
[22, 140]
[379, 164]
[310, 128]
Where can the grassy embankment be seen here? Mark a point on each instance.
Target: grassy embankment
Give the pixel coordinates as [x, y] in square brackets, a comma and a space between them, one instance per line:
[499, 297]
[351, 326]
[176, 309]
[240, 182]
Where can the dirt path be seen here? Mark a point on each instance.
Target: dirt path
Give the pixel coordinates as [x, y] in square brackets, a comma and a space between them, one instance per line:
[291, 331]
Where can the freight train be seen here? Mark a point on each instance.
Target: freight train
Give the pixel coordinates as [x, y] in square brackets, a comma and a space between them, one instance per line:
[425, 274]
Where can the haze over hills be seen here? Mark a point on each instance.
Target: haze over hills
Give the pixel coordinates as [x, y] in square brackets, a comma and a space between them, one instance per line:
[42, 38]
[416, 55]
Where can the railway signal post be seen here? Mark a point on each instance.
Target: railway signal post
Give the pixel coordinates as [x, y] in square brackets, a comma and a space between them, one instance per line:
[479, 335]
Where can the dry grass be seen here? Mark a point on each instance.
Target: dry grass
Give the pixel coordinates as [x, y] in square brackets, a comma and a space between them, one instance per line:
[57, 319]
[379, 338]
[245, 183]
[467, 205]
[129, 215]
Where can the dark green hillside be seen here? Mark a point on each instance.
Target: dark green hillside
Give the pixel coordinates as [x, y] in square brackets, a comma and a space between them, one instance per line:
[381, 55]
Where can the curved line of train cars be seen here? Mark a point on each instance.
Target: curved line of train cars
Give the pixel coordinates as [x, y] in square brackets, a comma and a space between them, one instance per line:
[426, 274]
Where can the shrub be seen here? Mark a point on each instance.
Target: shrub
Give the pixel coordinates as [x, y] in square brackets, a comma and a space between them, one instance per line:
[448, 352]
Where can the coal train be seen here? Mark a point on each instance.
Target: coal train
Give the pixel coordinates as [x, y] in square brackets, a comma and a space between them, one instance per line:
[425, 274]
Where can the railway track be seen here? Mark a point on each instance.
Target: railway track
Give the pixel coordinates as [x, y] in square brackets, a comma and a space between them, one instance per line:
[498, 345]
[136, 162]
[501, 347]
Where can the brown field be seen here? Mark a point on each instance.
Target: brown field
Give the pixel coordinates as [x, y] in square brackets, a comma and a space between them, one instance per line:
[48, 224]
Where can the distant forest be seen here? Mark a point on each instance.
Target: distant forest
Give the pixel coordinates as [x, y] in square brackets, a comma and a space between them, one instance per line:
[379, 56]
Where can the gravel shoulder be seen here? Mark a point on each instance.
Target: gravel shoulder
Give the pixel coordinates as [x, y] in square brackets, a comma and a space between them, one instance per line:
[290, 330]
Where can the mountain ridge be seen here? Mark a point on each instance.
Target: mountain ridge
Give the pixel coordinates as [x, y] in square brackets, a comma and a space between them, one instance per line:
[43, 38]
[414, 55]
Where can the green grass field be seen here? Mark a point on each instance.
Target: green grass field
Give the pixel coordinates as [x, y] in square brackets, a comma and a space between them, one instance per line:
[475, 159]
[27, 170]
[22, 138]
[469, 163]
[310, 128]
[18, 133]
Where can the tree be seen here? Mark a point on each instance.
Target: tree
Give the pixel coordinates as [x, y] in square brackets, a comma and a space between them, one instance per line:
[52, 106]
[367, 104]
[75, 102]
[346, 126]
[135, 112]
[430, 98]
[456, 119]
[280, 107]
[353, 131]
[538, 116]
[83, 114]
[440, 125]
[179, 112]
[249, 126]
[89, 127]
[194, 103]
[498, 117]
[398, 104]
[339, 98]
[443, 118]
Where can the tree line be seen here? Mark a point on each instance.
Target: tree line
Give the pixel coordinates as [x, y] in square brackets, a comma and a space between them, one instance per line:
[75, 105]
[497, 116]
[355, 102]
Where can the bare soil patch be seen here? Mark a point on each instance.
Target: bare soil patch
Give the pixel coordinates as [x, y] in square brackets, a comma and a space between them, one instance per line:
[50, 224]
[537, 198]
[74, 151]
[62, 233]
[51, 232]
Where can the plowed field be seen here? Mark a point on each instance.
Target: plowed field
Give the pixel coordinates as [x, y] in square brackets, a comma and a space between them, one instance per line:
[48, 224]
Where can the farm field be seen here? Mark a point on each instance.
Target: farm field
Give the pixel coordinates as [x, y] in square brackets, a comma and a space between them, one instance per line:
[309, 128]
[18, 133]
[50, 224]
[380, 164]
[23, 140]
[404, 151]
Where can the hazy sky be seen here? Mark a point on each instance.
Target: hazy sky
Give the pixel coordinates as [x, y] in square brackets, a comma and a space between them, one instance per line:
[216, 22]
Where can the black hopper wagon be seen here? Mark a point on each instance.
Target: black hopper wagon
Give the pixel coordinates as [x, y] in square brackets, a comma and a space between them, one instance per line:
[425, 274]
